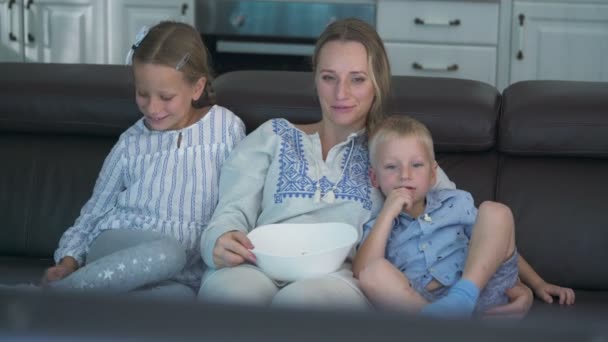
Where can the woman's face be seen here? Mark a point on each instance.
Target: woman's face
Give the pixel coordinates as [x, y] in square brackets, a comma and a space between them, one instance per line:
[344, 84]
[164, 97]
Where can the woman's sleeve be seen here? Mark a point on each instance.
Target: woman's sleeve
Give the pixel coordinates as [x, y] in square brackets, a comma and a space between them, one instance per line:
[242, 180]
[75, 240]
[443, 182]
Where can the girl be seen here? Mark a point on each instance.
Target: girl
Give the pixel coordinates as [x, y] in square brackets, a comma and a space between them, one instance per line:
[159, 185]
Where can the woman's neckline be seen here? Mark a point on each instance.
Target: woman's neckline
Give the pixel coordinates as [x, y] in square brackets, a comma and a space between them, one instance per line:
[315, 128]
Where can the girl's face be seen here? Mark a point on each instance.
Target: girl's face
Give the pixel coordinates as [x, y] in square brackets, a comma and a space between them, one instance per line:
[404, 162]
[164, 97]
[344, 84]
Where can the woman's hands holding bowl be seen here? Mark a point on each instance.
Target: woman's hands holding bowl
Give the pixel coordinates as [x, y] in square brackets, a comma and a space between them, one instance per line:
[232, 249]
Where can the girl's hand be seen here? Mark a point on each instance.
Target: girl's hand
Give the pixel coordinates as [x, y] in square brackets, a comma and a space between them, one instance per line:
[232, 249]
[520, 302]
[63, 269]
[546, 292]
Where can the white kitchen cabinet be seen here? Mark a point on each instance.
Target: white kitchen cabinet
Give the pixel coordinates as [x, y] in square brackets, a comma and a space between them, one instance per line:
[440, 38]
[126, 17]
[53, 31]
[559, 41]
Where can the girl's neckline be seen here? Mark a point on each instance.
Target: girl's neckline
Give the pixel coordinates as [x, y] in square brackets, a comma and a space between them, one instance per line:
[204, 117]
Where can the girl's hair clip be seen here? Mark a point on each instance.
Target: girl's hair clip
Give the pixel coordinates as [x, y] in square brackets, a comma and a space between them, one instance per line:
[183, 61]
[139, 37]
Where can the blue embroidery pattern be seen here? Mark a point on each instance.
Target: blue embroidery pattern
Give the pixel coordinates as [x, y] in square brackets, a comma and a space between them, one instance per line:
[294, 180]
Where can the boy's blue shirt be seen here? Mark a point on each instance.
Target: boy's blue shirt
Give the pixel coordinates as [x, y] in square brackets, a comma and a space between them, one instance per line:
[435, 244]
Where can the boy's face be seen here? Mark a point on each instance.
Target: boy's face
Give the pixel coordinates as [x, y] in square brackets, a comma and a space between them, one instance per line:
[403, 162]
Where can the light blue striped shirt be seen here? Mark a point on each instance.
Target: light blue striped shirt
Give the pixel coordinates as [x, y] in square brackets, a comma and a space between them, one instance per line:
[163, 181]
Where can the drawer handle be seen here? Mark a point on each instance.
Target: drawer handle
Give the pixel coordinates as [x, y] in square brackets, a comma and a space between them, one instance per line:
[522, 36]
[455, 22]
[418, 66]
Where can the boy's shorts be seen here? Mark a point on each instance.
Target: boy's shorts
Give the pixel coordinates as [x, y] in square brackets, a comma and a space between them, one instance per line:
[492, 295]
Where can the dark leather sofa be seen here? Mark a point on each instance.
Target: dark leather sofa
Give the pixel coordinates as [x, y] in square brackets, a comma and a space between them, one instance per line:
[541, 147]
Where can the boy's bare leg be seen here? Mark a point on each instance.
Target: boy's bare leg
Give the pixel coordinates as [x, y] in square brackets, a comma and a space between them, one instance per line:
[388, 288]
[492, 243]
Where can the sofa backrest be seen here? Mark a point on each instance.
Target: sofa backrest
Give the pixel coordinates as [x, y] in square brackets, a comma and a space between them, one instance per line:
[553, 141]
[57, 124]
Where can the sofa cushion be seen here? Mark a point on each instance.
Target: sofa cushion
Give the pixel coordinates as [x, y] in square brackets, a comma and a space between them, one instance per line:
[558, 204]
[67, 98]
[553, 176]
[57, 124]
[257, 96]
[559, 118]
[461, 114]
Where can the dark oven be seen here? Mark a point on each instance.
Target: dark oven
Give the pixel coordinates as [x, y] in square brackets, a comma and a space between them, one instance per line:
[270, 34]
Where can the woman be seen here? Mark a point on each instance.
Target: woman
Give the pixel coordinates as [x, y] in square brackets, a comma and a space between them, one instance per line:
[286, 173]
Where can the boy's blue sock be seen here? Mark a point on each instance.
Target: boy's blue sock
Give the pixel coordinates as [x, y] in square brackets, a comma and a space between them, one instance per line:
[460, 301]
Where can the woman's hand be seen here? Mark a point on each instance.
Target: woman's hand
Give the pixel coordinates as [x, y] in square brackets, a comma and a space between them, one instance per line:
[520, 302]
[232, 249]
[63, 269]
[546, 292]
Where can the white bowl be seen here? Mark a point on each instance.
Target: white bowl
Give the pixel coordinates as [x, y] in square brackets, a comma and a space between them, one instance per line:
[294, 251]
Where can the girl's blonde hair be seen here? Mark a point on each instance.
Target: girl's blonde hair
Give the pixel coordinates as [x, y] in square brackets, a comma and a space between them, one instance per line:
[399, 126]
[356, 30]
[180, 46]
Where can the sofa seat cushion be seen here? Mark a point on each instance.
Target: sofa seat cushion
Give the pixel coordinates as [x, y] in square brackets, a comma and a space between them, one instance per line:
[589, 304]
[22, 270]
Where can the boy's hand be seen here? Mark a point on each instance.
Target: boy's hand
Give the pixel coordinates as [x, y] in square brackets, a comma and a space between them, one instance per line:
[546, 292]
[396, 201]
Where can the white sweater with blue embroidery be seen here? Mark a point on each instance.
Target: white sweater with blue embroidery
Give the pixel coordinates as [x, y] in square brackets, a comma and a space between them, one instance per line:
[272, 175]
[163, 181]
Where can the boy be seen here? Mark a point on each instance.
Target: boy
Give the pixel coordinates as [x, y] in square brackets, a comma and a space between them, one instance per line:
[415, 251]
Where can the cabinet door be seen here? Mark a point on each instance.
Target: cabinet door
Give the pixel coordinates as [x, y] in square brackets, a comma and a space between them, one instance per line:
[559, 41]
[65, 31]
[128, 16]
[11, 31]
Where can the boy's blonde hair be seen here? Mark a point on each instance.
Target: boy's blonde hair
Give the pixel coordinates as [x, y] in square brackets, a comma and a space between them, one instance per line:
[180, 46]
[399, 126]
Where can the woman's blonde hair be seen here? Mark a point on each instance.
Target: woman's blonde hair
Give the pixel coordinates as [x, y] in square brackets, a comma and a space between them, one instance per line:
[180, 46]
[356, 30]
[399, 126]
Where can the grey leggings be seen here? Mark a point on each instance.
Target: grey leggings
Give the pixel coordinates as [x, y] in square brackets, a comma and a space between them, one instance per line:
[121, 261]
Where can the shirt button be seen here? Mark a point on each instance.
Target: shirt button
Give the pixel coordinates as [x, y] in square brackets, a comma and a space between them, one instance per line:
[424, 246]
[431, 269]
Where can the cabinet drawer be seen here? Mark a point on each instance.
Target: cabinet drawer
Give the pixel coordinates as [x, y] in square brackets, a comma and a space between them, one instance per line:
[438, 21]
[470, 62]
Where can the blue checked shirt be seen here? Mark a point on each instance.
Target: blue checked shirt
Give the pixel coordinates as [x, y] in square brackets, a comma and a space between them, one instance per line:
[434, 245]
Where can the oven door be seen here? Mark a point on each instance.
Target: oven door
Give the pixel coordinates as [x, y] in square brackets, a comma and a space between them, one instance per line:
[269, 34]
